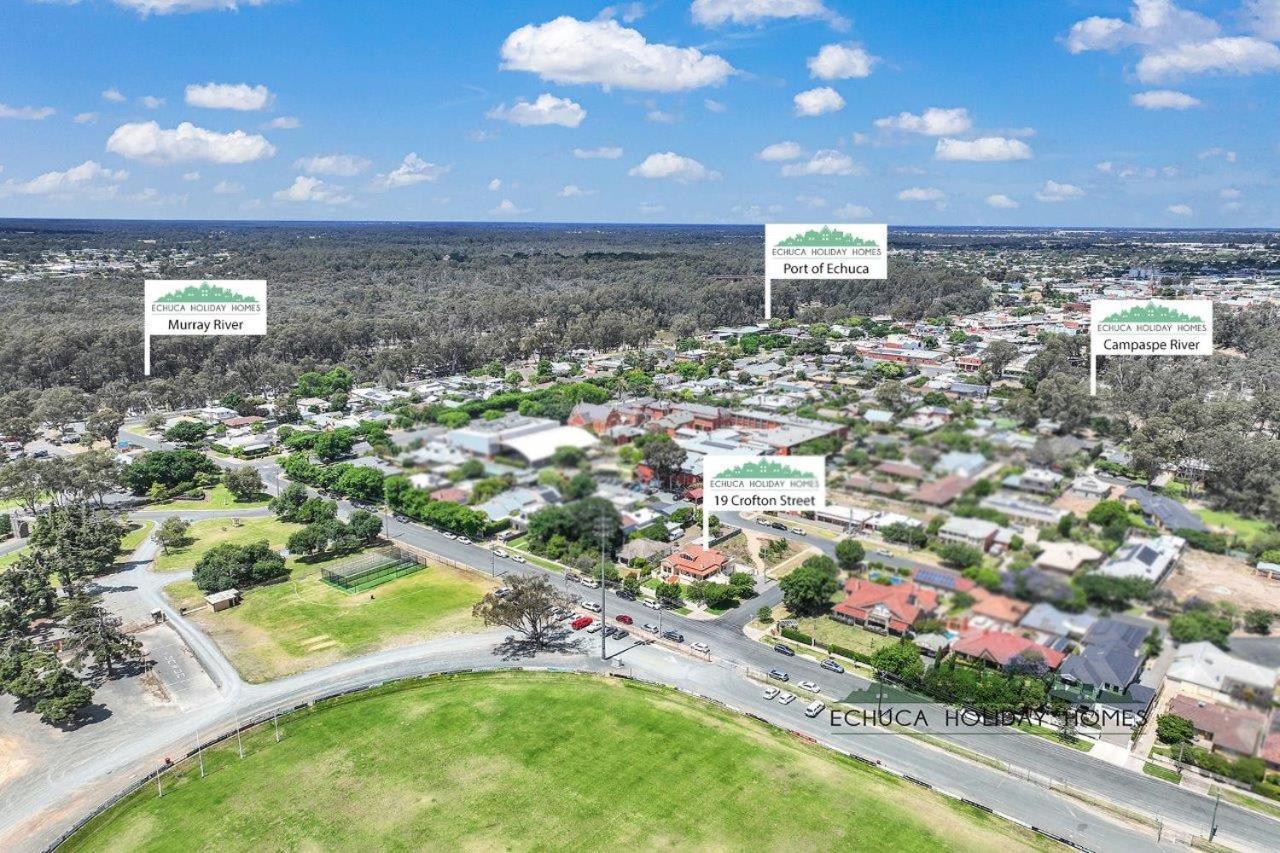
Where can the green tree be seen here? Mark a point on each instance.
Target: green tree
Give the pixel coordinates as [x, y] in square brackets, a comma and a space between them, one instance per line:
[291, 498]
[104, 425]
[229, 566]
[808, 590]
[1108, 513]
[243, 482]
[364, 525]
[333, 445]
[189, 433]
[1258, 620]
[1171, 728]
[901, 659]
[173, 533]
[664, 458]
[94, 634]
[849, 554]
[529, 607]
[959, 555]
[362, 484]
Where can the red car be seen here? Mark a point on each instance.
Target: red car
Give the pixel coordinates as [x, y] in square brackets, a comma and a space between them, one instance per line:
[624, 619]
[581, 622]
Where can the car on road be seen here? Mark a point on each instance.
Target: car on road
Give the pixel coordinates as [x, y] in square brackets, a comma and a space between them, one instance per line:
[652, 605]
[625, 594]
[464, 540]
[771, 691]
[624, 619]
[786, 698]
[810, 686]
[651, 628]
[799, 531]
[400, 518]
[593, 606]
[832, 665]
[882, 552]
[815, 708]
[784, 649]
[501, 554]
[448, 535]
[591, 583]
[701, 647]
[779, 674]
[619, 633]
[581, 622]
[674, 636]
[516, 558]
[778, 525]
[502, 591]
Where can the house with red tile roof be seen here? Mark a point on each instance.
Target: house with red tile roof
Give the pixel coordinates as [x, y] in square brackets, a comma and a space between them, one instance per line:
[1001, 648]
[694, 561]
[893, 608]
[1232, 730]
[942, 492]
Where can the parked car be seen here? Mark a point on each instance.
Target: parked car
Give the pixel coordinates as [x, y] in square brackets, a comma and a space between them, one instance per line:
[464, 540]
[581, 622]
[591, 583]
[777, 525]
[815, 708]
[595, 629]
[779, 674]
[401, 518]
[786, 698]
[799, 531]
[448, 535]
[784, 649]
[624, 619]
[771, 691]
[499, 553]
[625, 594]
[502, 591]
[516, 558]
[832, 665]
[674, 636]
[812, 687]
[651, 628]
[619, 633]
[701, 647]
[593, 606]
[652, 605]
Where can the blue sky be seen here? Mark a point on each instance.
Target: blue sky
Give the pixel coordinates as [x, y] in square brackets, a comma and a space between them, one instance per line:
[1076, 112]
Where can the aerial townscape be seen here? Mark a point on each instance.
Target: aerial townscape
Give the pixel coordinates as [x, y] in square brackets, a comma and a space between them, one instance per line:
[440, 556]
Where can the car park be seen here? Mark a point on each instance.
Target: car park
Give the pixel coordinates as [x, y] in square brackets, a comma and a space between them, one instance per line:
[779, 674]
[832, 665]
[786, 698]
[701, 647]
[619, 633]
[810, 686]
[595, 629]
[784, 649]
[581, 622]
[593, 606]
[771, 691]
[624, 619]
[815, 708]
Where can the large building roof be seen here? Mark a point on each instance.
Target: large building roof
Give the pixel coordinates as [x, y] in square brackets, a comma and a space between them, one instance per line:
[539, 446]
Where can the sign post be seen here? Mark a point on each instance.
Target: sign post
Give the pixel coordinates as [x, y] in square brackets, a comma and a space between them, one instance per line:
[202, 308]
[810, 251]
[734, 483]
[1148, 327]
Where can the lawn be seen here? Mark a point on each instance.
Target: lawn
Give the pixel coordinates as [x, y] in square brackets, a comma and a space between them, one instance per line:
[216, 498]
[136, 537]
[515, 761]
[830, 632]
[9, 559]
[1161, 772]
[304, 623]
[1245, 528]
[216, 531]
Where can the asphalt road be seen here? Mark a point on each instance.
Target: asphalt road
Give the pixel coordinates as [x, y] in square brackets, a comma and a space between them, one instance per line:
[32, 813]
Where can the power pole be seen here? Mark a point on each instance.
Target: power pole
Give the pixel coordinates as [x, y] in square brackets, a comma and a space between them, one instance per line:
[603, 532]
[1213, 820]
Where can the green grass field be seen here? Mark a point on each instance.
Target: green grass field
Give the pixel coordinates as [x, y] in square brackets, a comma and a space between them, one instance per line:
[136, 537]
[216, 498]
[1245, 528]
[304, 623]
[520, 761]
[216, 531]
[830, 632]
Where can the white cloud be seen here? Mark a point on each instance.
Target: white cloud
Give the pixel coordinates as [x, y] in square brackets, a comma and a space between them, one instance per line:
[89, 176]
[1232, 206]
[711, 13]
[921, 194]
[1210, 153]
[1262, 17]
[1054, 191]
[26, 113]
[780, 151]
[673, 166]
[228, 188]
[284, 123]
[228, 96]
[574, 191]
[651, 208]
[1164, 99]
[1242, 55]
[151, 102]
[344, 165]
[170, 7]
[1180, 209]
[841, 62]
[507, 207]
[190, 176]
[85, 118]
[853, 211]
[811, 200]
[815, 102]
[567, 50]
[660, 117]
[114, 95]
[985, 149]
[628, 12]
[1001, 201]
[604, 152]
[1151, 22]
[547, 109]
[825, 162]
[714, 106]
[412, 170]
[495, 185]
[1229, 192]
[306, 188]
[148, 141]
[934, 121]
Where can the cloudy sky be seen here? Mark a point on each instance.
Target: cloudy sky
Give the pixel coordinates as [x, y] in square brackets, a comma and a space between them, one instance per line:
[1037, 112]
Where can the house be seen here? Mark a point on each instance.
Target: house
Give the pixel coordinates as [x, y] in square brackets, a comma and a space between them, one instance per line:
[1065, 557]
[1090, 487]
[957, 463]
[1204, 671]
[516, 503]
[902, 470]
[993, 610]
[1040, 481]
[890, 609]
[644, 549]
[1023, 511]
[534, 439]
[1045, 619]
[932, 645]
[1163, 512]
[975, 532]
[222, 600]
[1232, 730]
[940, 579]
[694, 561]
[1002, 648]
[1110, 660]
[942, 492]
[1148, 559]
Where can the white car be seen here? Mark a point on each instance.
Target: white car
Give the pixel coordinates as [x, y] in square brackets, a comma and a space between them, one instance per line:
[590, 583]
[516, 558]
[464, 540]
[652, 605]
[786, 698]
[815, 708]
[595, 629]
[499, 553]
[770, 692]
[810, 686]
[701, 647]
[448, 535]
[593, 606]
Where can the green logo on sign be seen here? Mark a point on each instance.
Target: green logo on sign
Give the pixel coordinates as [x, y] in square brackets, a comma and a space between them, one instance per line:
[1151, 313]
[205, 293]
[827, 236]
[764, 470]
